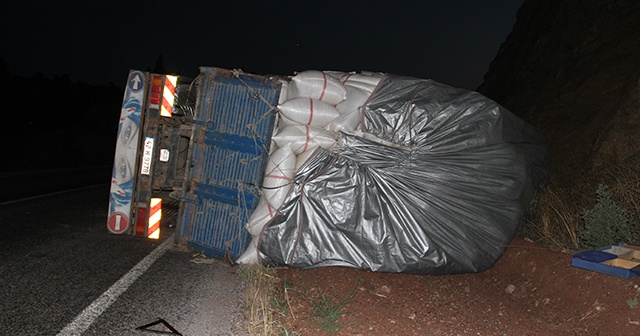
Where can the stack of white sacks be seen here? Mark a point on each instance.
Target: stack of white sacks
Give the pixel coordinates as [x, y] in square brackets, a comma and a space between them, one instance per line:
[314, 107]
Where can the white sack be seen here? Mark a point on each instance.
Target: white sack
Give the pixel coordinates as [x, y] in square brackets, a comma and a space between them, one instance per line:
[284, 122]
[347, 122]
[260, 217]
[303, 157]
[279, 173]
[355, 99]
[318, 85]
[362, 82]
[369, 79]
[250, 255]
[336, 74]
[309, 111]
[301, 138]
[273, 147]
[283, 91]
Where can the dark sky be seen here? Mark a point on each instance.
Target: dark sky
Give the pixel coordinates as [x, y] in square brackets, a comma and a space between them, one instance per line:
[450, 41]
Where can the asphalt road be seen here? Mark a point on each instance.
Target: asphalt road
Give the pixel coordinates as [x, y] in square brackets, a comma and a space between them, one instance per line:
[18, 185]
[61, 273]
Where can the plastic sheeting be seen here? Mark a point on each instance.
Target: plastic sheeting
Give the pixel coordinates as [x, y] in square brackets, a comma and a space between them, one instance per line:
[445, 195]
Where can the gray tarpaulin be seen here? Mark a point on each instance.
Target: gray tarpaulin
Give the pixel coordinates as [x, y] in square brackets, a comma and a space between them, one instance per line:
[447, 196]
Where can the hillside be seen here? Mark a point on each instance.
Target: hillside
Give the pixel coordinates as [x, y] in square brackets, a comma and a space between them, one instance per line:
[571, 68]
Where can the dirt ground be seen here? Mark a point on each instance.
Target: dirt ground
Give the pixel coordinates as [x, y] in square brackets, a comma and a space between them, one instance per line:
[531, 290]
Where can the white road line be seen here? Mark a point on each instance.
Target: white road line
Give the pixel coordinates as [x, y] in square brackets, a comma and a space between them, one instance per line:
[82, 322]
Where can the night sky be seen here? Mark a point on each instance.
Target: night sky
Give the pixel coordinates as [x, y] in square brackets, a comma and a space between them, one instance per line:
[97, 42]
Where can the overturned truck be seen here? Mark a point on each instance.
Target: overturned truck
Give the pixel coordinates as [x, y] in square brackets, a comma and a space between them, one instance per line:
[365, 170]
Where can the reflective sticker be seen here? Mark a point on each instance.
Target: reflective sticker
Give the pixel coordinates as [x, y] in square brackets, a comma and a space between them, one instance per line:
[168, 96]
[155, 215]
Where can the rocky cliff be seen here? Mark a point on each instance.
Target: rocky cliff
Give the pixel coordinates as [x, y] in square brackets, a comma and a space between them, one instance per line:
[572, 69]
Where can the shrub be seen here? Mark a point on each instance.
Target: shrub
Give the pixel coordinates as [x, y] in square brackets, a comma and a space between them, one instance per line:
[607, 223]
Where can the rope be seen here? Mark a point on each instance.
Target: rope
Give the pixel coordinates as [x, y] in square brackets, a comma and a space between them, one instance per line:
[242, 186]
[241, 228]
[254, 94]
[237, 73]
[193, 82]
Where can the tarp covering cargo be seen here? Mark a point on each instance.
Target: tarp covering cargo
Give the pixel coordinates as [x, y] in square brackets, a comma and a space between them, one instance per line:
[441, 188]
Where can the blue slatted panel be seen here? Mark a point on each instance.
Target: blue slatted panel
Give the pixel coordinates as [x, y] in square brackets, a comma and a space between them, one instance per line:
[232, 134]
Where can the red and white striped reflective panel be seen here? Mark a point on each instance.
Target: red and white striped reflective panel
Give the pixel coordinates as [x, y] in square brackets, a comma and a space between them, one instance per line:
[168, 95]
[155, 214]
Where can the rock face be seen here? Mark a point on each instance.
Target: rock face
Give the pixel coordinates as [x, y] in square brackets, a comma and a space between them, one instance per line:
[572, 69]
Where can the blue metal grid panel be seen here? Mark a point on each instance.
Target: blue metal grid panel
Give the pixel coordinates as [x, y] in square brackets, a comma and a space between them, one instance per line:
[231, 169]
[217, 230]
[237, 105]
[234, 120]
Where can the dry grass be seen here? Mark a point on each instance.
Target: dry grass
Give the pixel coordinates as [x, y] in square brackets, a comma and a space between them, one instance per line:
[556, 220]
[558, 210]
[266, 306]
